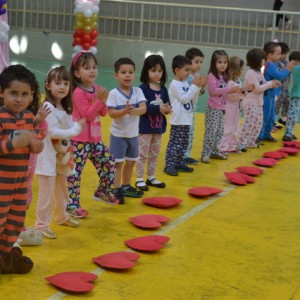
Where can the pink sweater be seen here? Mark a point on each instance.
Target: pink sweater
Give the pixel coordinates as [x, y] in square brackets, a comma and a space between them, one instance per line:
[217, 89]
[85, 105]
[260, 85]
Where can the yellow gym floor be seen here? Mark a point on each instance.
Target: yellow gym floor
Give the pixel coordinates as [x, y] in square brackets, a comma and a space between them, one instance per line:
[241, 244]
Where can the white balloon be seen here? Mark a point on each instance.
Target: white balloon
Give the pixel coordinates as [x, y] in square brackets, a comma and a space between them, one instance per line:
[95, 10]
[88, 13]
[77, 49]
[93, 50]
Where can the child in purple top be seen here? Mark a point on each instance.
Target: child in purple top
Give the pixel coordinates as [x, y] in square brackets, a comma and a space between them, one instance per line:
[214, 115]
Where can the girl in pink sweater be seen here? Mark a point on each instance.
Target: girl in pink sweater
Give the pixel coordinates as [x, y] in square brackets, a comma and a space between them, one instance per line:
[253, 100]
[89, 102]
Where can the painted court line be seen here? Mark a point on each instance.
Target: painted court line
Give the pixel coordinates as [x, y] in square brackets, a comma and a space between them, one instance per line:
[165, 229]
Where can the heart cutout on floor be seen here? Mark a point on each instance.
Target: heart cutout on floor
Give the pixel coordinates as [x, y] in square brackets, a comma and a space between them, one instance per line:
[275, 154]
[162, 202]
[79, 282]
[289, 150]
[235, 177]
[292, 144]
[117, 260]
[250, 170]
[147, 243]
[248, 178]
[266, 162]
[204, 191]
[149, 221]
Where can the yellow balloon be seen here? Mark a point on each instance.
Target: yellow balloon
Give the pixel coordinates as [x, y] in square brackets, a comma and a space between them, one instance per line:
[79, 16]
[88, 21]
[95, 25]
[94, 18]
[87, 29]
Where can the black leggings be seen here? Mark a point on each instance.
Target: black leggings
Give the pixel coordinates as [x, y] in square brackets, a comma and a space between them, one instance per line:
[277, 5]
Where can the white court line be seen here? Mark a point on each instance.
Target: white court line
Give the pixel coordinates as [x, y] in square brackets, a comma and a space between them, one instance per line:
[165, 229]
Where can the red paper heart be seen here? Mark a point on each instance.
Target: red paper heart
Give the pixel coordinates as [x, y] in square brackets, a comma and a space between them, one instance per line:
[292, 144]
[248, 178]
[275, 154]
[204, 191]
[235, 177]
[163, 202]
[78, 282]
[289, 151]
[149, 221]
[147, 243]
[117, 260]
[250, 170]
[266, 162]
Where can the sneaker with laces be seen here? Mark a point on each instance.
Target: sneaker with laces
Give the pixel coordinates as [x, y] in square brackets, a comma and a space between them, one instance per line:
[130, 191]
[71, 222]
[48, 233]
[78, 213]
[106, 198]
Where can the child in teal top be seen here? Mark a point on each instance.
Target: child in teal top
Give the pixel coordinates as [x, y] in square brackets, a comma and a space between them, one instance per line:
[294, 105]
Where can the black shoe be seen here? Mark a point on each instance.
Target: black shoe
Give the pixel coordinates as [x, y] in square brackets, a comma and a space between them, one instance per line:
[119, 195]
[160, 185]
[143, 187]
[130, 191]
[191, 161]
[259, 141]
[243, 149]
[281, 122]
[185, 169]
[271, 139]
[286, 138]
[294, 137]
[171, 171]
[277, 126]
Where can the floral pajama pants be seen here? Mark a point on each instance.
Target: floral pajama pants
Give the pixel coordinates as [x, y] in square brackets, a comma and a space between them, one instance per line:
[104, 163]
[292, 116]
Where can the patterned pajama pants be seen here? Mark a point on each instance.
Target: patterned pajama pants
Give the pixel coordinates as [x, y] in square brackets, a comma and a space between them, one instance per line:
[149, 148]
[177, 145]
[292, 116]
[104, 163]
[191, 138]
[214, 128]
[253, 119]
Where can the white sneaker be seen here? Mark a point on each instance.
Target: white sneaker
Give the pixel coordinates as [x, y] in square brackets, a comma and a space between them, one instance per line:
[288, 24]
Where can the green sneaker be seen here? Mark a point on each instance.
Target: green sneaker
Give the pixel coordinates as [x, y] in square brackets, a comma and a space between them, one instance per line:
[130, 191]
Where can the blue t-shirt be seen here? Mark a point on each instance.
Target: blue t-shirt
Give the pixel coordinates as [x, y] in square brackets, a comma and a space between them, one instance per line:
[153, 121]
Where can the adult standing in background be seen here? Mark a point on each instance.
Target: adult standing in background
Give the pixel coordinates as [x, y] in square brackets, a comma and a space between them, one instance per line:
[287, 22]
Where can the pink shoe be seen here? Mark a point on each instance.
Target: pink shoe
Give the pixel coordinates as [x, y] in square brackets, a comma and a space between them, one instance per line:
[108, 199]
[79, 213]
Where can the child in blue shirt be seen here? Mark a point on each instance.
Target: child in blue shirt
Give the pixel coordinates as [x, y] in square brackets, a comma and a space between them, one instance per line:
[271, 71]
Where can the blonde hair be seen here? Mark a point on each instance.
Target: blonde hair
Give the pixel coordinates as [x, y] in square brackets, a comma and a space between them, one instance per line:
[235, 66]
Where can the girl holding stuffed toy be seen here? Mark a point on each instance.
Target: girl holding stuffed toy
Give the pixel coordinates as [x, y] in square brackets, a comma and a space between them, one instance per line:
[89, 101]
[52, 177]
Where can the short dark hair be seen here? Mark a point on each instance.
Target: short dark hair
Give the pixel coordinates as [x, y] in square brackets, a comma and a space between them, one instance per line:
[193, 52]
[270, 47]
[123, 61]
[294, 55]
[254, 58]
[284, 47]
[150, 62]
[21, 73]
[180, 61]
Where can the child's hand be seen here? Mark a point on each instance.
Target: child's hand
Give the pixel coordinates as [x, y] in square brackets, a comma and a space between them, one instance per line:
[21, 138]
[236, 89]
[198, 81]
[203, 82]
[248, 87]
[165, 109]
[128, 108]
[276, 83]
[36, 145]
[42, 113]
[82, 122]
[102, 94]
